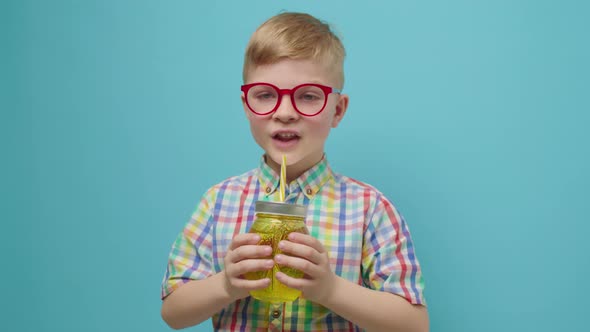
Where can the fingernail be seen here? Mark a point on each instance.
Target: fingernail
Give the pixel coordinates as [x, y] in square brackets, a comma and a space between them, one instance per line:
[282, 244]
[268, 250]
[278, 258]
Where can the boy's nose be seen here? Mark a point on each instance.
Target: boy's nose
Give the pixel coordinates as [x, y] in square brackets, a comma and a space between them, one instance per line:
[286, 111]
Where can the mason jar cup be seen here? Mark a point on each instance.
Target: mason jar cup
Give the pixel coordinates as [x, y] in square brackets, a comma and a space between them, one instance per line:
[273, 222]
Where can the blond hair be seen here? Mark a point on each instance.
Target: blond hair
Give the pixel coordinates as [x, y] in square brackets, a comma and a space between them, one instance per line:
[295, 36]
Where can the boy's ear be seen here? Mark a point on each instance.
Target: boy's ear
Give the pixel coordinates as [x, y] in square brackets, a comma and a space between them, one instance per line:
[341, 108]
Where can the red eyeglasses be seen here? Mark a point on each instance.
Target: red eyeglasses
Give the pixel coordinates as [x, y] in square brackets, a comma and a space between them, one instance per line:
[308, 99]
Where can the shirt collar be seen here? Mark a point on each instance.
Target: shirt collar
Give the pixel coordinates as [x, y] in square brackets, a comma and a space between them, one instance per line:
[310, 182]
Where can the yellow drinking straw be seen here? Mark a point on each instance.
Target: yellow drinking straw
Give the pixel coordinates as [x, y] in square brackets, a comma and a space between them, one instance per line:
[283, 179]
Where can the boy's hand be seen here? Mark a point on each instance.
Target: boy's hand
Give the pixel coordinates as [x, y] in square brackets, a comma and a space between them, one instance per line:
[244, 255]
[306, 254]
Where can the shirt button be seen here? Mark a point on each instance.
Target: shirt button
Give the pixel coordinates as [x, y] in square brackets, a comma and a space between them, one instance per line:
[309, 191]
[268, 190]
[276, 314]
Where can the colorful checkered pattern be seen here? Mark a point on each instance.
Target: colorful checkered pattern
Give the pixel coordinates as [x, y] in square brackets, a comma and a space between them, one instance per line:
[368, 243]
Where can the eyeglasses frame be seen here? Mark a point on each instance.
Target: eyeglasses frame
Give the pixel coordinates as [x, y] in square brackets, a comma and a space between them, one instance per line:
[326, 89]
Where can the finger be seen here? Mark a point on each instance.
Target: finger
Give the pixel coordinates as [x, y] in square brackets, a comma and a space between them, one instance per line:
[307, 240]
[300, 250]
[297, 283]
[301, 264]
[249, 252]
[249, 265]
[251, 284]
[244, 239]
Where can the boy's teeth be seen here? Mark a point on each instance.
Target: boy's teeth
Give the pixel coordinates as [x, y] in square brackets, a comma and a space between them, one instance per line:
[286, 135]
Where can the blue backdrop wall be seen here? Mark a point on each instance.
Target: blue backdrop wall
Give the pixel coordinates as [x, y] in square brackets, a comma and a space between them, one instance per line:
[471, 116]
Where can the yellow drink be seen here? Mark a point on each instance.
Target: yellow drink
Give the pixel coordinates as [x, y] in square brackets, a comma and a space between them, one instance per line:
[274, 222]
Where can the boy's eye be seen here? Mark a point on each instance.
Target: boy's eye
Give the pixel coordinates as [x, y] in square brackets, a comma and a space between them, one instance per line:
[309, 94]
[265, 95]
[309, 97]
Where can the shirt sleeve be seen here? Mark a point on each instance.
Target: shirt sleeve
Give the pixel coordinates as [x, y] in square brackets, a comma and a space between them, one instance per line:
[191, 254]
[389, 263]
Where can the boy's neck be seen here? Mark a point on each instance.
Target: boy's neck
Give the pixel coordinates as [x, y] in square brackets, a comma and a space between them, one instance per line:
[293, 171]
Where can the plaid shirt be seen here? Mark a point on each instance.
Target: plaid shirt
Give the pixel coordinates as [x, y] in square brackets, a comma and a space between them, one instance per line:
[368, 243]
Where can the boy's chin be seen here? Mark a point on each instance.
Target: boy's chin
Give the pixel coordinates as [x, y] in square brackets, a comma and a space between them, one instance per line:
[277, 158]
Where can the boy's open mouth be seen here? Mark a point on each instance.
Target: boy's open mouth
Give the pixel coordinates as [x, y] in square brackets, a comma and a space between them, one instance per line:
[285, 137]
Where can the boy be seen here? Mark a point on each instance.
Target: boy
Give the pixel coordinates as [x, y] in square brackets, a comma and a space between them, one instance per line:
[359, 263]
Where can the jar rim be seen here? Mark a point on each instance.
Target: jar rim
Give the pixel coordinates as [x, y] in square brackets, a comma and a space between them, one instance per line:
[286, 209]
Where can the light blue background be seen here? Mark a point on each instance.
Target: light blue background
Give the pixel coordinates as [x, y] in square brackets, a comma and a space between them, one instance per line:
[471, 116]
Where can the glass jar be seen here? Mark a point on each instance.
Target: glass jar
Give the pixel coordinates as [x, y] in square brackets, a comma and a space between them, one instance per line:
[274, 222]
